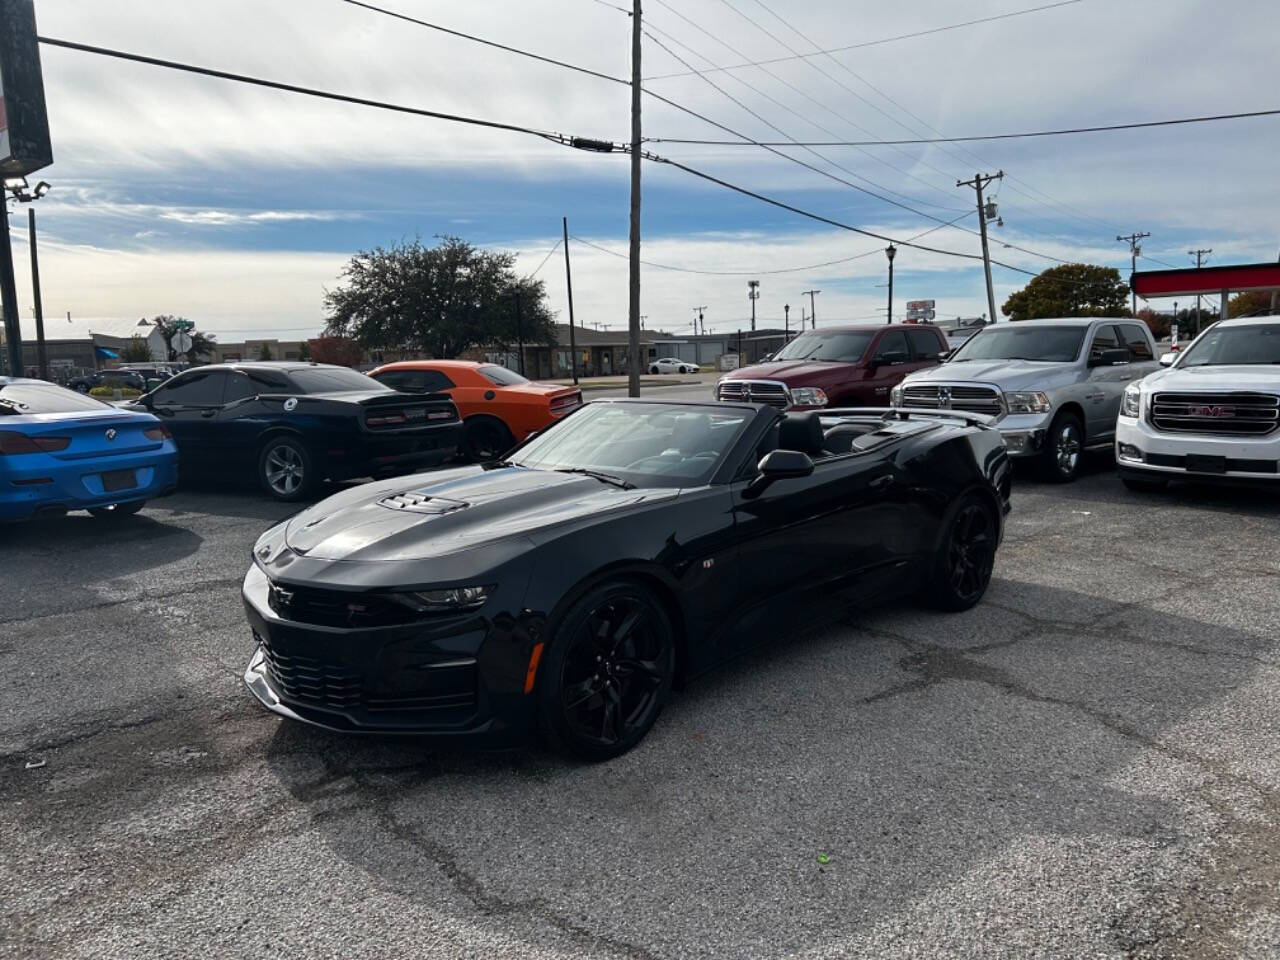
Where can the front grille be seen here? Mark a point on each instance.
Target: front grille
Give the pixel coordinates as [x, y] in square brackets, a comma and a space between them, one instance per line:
[313, 682]
[754, 391]
[1232, 414]
[333, 608]
[946, 396]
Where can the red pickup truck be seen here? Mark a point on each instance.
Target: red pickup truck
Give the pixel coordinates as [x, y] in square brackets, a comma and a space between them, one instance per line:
[853, 366]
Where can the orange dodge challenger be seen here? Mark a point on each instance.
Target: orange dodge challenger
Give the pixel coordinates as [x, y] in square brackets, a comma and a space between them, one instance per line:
[499, 408]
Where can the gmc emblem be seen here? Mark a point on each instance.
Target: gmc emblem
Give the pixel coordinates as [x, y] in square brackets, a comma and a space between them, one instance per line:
[1214, 412]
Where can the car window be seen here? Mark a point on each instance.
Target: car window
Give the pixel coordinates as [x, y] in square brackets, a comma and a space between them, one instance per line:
[238, 388]
[843, 346]
[895, 341]
[17, 399]
[199, 388]
[1136, 340]
[415, 381]
[1247, 344]
[1104, 338]
[333, 380]
[269, 381]
[1058, 343]
[926, 344]
[501, 376]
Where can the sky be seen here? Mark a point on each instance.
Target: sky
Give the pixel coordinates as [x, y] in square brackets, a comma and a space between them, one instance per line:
[238, 207]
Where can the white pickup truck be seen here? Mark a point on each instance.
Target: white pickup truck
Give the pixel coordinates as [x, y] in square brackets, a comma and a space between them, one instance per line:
[1214, 414]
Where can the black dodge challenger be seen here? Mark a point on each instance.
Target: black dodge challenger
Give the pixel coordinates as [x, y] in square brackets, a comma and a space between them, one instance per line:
[291, 425]
[629, 547]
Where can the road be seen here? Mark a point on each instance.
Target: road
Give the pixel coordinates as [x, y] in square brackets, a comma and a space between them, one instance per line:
[678, 389]
[1084, 765]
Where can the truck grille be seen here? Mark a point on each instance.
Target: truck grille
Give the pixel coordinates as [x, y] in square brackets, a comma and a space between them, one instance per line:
[947, 396]
[1233, 414]
[754, 391]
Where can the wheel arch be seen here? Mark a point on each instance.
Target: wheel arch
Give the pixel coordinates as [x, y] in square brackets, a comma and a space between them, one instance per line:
[1073, 407]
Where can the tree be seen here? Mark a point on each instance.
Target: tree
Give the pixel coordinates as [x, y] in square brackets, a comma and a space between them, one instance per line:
[137, 350]
[1157, 322]
[1254, 303]
[440, 300]
[202, 344]
[304, 350]
[1071, 290]
[264, 353]
[340, 350]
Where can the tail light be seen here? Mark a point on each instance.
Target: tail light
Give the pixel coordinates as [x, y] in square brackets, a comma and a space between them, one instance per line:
[567, 402]
[14, 443]
[160, 432]
[385, 419]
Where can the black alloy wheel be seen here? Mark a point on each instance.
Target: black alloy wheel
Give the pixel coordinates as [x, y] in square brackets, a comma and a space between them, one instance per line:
[1064, 449]
[117, 511]
[486, 439]
[285, 469]
[608, 672]
[962, 569]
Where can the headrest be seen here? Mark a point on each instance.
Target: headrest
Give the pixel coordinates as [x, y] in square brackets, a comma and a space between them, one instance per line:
[801, 431]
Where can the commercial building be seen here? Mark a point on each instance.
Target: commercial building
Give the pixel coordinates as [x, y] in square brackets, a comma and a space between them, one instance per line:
[78, 345]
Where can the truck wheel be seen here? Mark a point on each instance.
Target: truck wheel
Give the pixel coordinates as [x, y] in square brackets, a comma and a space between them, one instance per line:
[1063, 449]
[285, 469]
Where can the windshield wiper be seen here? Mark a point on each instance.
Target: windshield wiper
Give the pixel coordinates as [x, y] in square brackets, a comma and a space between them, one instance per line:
[596, 475]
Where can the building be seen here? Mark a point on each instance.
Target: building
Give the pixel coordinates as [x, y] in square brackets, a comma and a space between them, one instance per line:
[252, 350]
[601, 353]
[79, 345]
[747, 346]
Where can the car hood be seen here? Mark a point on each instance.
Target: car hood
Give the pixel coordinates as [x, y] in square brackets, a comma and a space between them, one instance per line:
[788, 371]
[435, 515]
[1006, 374]
[1244, 376]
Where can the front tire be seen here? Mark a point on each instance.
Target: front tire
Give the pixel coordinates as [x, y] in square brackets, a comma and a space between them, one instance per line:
[684, 369]
[286, 470]
[962, 568]
[117, 511]
[654, 370]
[607, 672]
[1064, 449]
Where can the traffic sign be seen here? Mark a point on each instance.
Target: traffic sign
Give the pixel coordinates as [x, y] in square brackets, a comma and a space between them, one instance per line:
[181, 341]
[184, 325]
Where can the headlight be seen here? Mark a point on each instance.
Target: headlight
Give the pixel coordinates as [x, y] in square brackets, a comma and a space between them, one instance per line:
[808, 397]
[1032, 402]
[895, 396]
[1132, 403]
[445, 601]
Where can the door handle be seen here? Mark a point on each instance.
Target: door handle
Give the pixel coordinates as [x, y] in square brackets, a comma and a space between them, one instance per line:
[879, 483]
[208, 413]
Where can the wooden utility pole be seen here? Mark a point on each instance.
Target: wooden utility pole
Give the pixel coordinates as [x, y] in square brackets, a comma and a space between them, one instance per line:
[568, 280]
[633, 309]
[42, 354]
[979, 181]
[813, 310]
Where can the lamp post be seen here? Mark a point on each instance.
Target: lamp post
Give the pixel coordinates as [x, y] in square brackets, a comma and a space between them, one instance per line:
[890, 251]
[786, 321]
[753, 294]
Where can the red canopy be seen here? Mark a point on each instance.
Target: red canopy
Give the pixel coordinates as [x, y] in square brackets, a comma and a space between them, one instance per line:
[1194, 281]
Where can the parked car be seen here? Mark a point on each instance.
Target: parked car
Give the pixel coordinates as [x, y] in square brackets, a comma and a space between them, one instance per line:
[291, 425]
[153, 374]
[630, 546]
[1214, 414]
[62, 451]
[673, 365]
[1053, 385]
[499, 408]
[111, 379]
[848, 366]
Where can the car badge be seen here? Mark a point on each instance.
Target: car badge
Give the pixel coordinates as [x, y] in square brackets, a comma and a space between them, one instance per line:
[111, 433]
[290, 405]
[283, 597]
[944, 398]
[1215, 412]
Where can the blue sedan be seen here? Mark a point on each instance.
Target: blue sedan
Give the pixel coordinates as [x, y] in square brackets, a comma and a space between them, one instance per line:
[60, 451]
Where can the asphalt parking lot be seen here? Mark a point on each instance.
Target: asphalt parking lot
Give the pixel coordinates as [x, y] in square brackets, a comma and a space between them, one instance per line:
[1084, 765]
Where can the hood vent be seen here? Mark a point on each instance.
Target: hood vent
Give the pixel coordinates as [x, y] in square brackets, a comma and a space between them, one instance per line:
[421, 503]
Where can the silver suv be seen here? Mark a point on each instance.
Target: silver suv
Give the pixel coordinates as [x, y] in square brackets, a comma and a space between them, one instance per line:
[1054, 386]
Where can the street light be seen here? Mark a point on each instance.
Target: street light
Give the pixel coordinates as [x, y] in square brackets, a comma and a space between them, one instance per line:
[890, 251]
[786, 313]
[753, 294]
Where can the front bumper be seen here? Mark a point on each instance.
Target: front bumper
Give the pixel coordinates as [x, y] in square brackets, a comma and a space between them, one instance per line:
[458, 678]
[1024, 433]
[38, 484]
[1144, 451]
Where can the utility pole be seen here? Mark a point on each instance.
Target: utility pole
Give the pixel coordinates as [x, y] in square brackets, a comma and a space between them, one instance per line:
[520, 331]
[9, 292]
[803, 318]
[42, 354]
[633, 308]
[813, 311]
[890, 251]
[1135, 248]
[568, 280]
[697, 313]
[1200, 256]
[979, 181]
[753, 294]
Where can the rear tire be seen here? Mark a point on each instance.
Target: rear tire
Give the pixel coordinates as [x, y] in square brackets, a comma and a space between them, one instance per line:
[486, 439]
[654, 370]
[118, 511]
[962, 568]
[607, 672]
[1139, 485]
[1064, 449]
[286, 470]
[684, 369]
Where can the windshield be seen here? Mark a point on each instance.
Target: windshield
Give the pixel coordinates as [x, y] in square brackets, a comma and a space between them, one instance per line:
[833, 345]
[1253, 344]
[17, 399]
[501, 376]
[1054, 344]
[646, 444]
[333, 380]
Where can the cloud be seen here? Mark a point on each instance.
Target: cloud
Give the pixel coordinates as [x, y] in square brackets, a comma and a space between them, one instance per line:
[223, 218]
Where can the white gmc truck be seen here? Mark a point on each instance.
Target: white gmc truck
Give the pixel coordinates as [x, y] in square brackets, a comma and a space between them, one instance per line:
[1214, 414]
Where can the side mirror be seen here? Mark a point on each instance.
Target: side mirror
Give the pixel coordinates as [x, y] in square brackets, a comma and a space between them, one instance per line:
[778, 465]
[944, 355]
[1110, 358]
[1167, 359]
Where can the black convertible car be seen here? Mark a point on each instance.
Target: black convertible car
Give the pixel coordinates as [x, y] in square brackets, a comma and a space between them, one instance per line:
[291, 425]
[625, 549]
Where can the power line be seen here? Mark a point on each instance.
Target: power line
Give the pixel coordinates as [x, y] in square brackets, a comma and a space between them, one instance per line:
[545, 259]
[873, 43]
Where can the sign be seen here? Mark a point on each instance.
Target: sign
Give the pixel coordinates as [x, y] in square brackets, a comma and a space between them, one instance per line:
[61, 364]
[24, 124]
[1173, 334]
[184, 324]
[181, 341]
[728, 361]
[920, 310]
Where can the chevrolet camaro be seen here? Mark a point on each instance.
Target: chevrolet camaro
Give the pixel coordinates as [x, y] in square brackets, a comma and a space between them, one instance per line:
[565, 590]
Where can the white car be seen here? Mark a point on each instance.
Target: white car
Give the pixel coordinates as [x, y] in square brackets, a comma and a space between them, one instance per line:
[672, 365]
[1213, 414]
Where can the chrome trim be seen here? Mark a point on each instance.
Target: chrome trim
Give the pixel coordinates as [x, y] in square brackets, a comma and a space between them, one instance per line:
[951, 385]
[746, 390]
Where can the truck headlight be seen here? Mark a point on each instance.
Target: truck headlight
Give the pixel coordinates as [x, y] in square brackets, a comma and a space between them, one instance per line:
[1131, 405]
[895, 396]
[1027, 402]
[808, 397]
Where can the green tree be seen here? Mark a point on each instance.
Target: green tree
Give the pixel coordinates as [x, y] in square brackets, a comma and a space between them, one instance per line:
[1253, 303]
[264, 353]
[441, 300]
[1071, 290]
[339, 350]
[203, 345]
[137, 350]
[304, 350]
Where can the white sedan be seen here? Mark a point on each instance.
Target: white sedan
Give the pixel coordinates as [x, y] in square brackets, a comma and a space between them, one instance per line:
[672, 365]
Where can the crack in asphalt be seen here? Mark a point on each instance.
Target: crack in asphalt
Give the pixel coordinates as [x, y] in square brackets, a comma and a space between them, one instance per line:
[203, 586]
